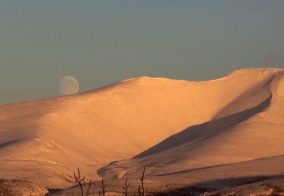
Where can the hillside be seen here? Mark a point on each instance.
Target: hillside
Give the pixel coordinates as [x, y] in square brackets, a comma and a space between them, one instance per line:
[167, 125]
[248, 125]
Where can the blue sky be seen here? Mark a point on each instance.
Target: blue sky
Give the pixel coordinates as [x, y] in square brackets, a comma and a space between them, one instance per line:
[103, 42]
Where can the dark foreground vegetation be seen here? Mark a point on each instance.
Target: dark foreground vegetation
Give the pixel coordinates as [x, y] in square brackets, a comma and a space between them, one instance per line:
[79, 179]
[251, 185]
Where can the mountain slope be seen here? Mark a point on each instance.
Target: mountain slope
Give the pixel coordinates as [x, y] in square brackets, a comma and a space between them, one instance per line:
[89, 130]
[45, 140]
[250, 126]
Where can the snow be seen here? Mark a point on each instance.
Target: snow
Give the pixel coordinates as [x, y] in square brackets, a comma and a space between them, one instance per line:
[169, 126]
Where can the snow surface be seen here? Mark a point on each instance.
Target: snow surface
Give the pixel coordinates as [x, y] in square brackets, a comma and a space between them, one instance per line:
[169, 126]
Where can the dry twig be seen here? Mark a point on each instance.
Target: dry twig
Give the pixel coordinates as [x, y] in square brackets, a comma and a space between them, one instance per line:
[103, 186]
[141, 189]
[79, 180]
[89, 187]
[125, 187]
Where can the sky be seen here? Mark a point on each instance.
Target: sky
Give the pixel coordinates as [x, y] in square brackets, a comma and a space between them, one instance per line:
[105, 41]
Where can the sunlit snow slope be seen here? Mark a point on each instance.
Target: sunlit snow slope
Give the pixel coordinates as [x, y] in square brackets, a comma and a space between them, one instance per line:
[167, 125]
[248, 124]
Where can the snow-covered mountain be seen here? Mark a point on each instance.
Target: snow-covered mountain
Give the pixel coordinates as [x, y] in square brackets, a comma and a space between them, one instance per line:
[169, 126]
[249, 124]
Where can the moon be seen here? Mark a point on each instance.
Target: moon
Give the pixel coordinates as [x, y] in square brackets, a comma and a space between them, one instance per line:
[68, 85]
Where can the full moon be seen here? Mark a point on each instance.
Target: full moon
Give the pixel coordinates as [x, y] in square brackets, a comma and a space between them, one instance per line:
[68, 85]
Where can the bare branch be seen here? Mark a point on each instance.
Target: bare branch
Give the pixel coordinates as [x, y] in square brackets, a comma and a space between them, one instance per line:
[125, 187]
[141, 189]
[79, 180]
[103, 186]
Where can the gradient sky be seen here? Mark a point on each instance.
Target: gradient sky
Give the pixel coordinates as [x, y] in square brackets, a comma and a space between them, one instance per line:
[103, 42]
